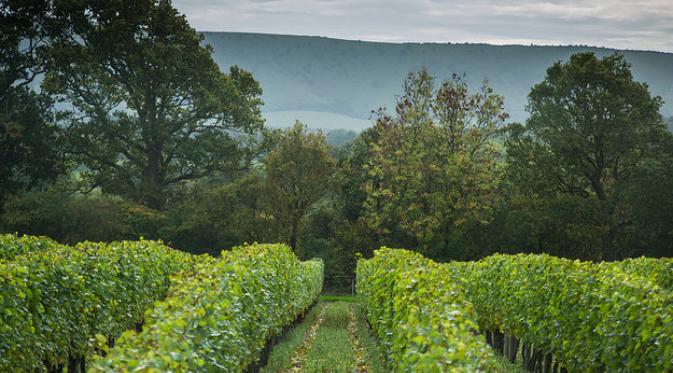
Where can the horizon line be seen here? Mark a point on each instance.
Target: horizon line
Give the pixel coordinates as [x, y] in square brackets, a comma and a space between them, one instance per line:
[437, 42]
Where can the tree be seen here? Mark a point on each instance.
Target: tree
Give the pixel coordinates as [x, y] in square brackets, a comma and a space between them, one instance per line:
[149, 108]
[212, 215]
[70, 218]
[590, 130]
[29, 139]
[298, 172]
[434, 165]
[30, 145]
[23, 40]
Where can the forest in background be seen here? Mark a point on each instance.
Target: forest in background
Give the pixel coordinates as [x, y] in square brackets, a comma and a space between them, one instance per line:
[331, 82]
[159, 142]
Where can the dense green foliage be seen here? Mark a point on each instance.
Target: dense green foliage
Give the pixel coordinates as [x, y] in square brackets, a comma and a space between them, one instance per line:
[432, 167]
[420, 314]
[590, 317]
[56, 301]
[584, 316]
[220, 315]
[148, 107]
[657, 270]
[298, 170]
[12, 246]
[30, 145]
[75, 218]
[591, 131]
[159, 143]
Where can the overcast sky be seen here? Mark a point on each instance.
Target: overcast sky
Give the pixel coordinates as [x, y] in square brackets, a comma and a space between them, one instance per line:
[623, 24]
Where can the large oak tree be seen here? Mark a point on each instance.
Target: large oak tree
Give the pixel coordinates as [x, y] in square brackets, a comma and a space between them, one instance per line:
[30, 151]
[591, 129]
[149, 108]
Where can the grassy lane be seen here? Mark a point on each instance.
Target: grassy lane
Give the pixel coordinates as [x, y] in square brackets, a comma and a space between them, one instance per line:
[334, 337]
[358, 350]
[375, 361]
[291, 349]
[331, 349]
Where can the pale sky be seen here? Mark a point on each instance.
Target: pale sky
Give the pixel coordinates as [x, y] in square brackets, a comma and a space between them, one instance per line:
[622, 24]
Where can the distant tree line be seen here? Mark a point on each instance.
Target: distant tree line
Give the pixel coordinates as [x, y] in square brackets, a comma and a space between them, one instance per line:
[115, 123]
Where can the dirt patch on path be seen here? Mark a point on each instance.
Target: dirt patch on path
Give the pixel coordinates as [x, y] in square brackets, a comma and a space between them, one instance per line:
[300, 354]
[358, 350]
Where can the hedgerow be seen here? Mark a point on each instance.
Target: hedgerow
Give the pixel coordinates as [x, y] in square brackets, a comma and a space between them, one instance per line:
[219, 316]
[581, 315]
[53, 303]
[419, 313]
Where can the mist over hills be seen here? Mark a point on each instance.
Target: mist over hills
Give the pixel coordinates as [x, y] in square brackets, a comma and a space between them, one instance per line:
[332, 83]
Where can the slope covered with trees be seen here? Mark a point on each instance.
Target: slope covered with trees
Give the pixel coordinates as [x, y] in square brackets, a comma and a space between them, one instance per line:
[303, 74]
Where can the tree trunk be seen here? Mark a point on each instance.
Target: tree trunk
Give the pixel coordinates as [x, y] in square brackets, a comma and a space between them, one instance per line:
[153, 188]
[538, 360]
[547, 363]
[498, 339]
[506, 345]
[527, 356]
[511, 347]
[293, 234]
[54, 368]
[489, 339]
[76, 364]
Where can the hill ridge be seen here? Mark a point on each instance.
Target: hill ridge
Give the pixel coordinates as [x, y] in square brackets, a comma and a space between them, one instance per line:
[303, 76]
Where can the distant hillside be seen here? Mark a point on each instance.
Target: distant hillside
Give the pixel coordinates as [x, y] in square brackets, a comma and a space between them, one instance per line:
[332, 83]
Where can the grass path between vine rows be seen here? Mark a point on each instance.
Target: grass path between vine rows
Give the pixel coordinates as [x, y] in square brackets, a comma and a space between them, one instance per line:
[333, 337]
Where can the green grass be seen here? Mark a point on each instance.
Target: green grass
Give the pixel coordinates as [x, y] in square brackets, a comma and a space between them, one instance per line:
[375, 357]
[282, 353]
[331, 349]
[339, 298]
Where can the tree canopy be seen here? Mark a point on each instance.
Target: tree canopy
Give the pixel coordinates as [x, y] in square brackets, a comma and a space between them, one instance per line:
[29, 138]
[298, 172]
[432, 166]
[591, 129]
[115, 112]
[149, 108]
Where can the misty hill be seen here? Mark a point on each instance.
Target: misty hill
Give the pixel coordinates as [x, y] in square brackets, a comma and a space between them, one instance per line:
[331, 83]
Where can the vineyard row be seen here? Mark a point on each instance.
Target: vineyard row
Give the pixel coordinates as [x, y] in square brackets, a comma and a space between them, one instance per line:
[557, 314]
[139, 305]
